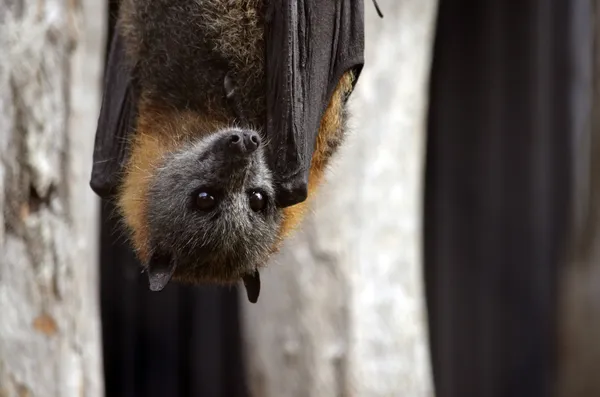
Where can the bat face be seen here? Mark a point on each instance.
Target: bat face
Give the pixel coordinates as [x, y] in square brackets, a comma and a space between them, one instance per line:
[211, 210]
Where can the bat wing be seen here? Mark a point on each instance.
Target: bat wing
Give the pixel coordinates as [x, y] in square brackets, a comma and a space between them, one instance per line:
[115, 122]
[310, 45]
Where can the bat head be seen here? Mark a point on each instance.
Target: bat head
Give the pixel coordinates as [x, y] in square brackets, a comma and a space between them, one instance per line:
[211, 210]
[163, 145]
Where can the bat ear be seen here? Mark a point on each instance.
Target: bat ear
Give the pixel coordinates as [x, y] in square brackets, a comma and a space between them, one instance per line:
[252, 284]
[161, 267]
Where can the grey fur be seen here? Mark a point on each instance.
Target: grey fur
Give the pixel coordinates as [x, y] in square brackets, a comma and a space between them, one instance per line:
[227, 242]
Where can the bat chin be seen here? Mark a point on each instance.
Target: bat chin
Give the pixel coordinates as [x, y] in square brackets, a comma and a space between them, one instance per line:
[163, 269]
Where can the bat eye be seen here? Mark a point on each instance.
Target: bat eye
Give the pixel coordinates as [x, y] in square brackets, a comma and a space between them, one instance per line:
[257, 201]
[205, 201]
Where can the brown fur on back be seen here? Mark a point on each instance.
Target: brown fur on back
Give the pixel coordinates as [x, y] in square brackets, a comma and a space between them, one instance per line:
[182, 50]
[181, 71]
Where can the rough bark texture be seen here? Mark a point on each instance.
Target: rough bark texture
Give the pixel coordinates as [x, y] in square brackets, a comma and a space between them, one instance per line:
[342, 309]
[579, 355]
[50, 74]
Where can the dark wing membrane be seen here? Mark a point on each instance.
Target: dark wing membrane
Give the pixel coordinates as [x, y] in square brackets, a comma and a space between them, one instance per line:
[115, 123]
[310, 45]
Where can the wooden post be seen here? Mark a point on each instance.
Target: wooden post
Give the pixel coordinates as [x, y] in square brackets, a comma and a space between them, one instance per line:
[579, 325]
[342, 310]
[50, 91]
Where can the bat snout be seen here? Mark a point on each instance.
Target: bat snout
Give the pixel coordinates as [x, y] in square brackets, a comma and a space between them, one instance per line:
[243, 142]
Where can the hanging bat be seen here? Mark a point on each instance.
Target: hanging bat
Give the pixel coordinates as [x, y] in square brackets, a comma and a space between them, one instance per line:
[218, 120]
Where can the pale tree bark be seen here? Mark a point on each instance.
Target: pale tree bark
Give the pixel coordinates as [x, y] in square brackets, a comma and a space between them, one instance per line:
[342, 309]
[51, 55]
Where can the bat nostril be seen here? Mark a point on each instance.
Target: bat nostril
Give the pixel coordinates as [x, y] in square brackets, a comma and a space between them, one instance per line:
[236, 143]
[251, 140]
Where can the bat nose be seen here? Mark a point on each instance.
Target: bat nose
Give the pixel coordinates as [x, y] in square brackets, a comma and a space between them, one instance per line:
[244, 141]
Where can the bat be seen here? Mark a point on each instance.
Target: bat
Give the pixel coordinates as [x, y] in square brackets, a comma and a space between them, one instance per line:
[218, 120]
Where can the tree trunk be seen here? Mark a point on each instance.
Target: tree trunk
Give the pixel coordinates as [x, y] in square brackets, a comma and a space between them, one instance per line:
[579, 358]
[50, 75]
[342, 310]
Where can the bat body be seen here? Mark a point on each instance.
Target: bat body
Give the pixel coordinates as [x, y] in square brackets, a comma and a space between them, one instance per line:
[200, 183]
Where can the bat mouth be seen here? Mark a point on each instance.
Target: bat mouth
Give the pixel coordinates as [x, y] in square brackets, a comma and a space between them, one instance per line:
[162, 269]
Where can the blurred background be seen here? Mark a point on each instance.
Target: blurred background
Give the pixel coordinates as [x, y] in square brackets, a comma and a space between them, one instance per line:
[453, 252]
